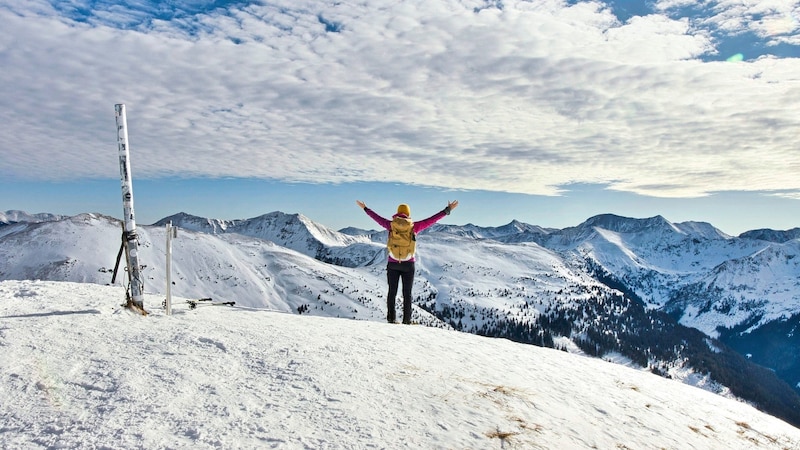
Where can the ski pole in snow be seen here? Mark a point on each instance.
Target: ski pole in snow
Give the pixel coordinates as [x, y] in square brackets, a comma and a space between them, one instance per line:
[136, 298]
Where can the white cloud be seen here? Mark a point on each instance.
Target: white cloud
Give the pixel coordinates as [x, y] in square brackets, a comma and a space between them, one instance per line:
[523, 99]
[776, 20]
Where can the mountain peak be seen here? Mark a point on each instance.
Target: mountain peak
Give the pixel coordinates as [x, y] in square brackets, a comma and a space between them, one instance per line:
[766, 234]
[702, 230]
[15, 216]
[620, 224]
[294, 231]
[196, 223]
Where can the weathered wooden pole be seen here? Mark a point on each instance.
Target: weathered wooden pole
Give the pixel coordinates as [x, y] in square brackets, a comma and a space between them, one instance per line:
[130, 240]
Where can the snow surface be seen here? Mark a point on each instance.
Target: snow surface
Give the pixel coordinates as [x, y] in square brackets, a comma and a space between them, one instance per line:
[79, 371]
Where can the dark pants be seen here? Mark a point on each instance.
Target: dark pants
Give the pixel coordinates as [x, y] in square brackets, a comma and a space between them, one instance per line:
[395, 271]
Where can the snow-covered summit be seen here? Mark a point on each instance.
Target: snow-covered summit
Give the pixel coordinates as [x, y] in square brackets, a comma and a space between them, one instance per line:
[354, 231]
[15, 216]
[294, 231]
[620, 224]
[766, 234]
[195, 223]
[514, 231]
[96, 376]
[701, 230]
[656, 226]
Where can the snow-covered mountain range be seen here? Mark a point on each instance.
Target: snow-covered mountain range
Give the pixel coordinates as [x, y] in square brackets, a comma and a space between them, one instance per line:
[633, 290]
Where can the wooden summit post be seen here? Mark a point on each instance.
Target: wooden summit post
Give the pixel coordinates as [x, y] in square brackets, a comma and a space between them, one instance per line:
[135, 293]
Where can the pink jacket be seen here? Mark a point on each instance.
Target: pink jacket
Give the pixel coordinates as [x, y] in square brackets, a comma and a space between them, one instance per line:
[418, 226]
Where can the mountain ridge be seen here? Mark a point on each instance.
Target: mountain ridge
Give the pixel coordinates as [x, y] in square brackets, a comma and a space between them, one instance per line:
[15, 216]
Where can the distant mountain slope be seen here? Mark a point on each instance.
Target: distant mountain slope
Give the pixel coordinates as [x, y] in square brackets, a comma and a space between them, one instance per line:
[15, 216]
[653, 256]
[726, 287]
[513, 231]
[772, 235]
[761, 284]
[294, 231]
[195, 223]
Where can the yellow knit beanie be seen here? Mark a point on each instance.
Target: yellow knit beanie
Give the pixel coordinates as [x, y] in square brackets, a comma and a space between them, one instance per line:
[404, 209]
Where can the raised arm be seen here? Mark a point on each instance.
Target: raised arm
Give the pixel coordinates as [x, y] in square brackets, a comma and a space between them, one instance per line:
[385, 223]
[425, 223]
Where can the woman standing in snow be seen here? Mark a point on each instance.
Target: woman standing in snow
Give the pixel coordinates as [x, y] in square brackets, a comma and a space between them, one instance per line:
[402, 247]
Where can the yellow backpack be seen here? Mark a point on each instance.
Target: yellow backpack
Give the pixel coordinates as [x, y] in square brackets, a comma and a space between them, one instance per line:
[402, 242]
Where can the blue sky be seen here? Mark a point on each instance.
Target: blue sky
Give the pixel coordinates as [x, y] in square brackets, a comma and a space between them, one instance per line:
[547, 112]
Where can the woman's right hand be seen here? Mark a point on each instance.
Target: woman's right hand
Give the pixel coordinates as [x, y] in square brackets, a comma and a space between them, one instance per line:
[361, 204]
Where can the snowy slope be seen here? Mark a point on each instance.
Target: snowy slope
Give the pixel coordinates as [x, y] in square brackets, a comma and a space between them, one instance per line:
[764, 284]
[493, 276]
[14, 216]
[78, 248]
[96, 376]
[767, 234]
[294, 231]
[665, 264]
